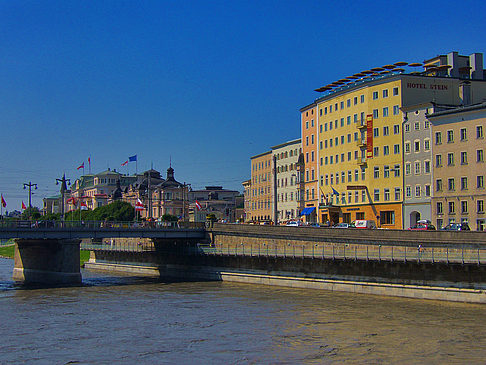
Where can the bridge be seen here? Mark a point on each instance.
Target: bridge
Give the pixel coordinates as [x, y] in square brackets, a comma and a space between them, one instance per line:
[48, 252]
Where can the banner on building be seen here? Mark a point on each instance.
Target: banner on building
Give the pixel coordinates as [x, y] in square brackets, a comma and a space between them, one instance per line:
[369, 136]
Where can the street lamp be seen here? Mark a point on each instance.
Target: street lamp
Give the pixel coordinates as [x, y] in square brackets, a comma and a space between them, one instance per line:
[30, 185]
[63, 181]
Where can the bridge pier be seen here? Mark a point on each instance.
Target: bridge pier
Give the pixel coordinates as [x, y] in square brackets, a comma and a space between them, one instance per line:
[47, 261]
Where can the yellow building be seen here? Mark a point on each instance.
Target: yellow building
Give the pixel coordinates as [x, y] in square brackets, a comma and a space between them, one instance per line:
[360, 137]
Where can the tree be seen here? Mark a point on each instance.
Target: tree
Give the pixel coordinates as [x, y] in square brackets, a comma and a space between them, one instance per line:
[31, 213]
[117, 211]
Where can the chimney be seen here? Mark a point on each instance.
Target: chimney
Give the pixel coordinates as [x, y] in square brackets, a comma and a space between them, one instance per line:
[476, 63]
[452, 60]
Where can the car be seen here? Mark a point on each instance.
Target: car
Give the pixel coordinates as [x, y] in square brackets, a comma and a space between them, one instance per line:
[365, 224]
[423, 225]
[294, 224]
[314, 224]
[342, 225]
[456, 227]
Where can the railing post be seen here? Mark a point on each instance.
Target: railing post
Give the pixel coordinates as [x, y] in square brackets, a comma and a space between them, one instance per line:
[392, 254]
[243, 248]
[462, 254]
[284, 250]
[479, 258]
[344, 251]
[303, 251]
[355, 253]
[333, 251]
[379, 252]
[447, 254]
[367, 257]
[312, 251]
[405, 253]
[432, 255]
[293, 249]
[251, 249]
[267, 250]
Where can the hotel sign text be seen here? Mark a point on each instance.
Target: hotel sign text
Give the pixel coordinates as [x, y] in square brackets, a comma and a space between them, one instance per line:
[412, 85]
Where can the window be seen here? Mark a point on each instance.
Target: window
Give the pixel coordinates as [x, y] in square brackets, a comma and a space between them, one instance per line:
[418, 191]
[385, 112]
[463, 183]
[375, 113]
[330, 108]
[452, 208]
[417, 168]
[396, 170]
[306, 125]
[396, 129]
[450, 136]
[426, 167]
[438, 138]
[355, 118]
[362, 97]
[386, 171]
[348, 120]
[348, 103]
[480, 182]
[376, 195]
[342, 105]
[396, 110]
[450, 159]
[342, 122]
[397, 194]
[463, 134]
[408, 168]
[479, 131]
[438, 160]
[407, 127]
[376, 172]
[407, 147]
[480, 206]
[463, 158]
[349, 137]
[408, 191]
[451, 184]
[386, 131]
[427, 144]
[385, 93]
[350, 176]
[375, 95]
[356, 175]
[438, 185]
[479, 156]
[376, 132]
[386, 150]
[386, 195]
[355, 100]
[416, 146]
[396, 149]
[439, 207]
[395, 91]
[427, 190]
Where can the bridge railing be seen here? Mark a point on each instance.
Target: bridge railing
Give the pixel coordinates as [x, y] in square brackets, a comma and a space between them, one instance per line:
[421, 253]
[31, 224]
[335, 251]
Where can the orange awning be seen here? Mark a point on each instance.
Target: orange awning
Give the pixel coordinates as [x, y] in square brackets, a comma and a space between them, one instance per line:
[401, 63]
[415, 64]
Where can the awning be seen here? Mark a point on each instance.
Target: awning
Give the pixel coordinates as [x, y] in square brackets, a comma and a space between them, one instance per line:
[307, 211]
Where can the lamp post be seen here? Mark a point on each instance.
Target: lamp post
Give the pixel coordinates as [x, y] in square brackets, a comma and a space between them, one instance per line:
[63, 181]
[30, 185]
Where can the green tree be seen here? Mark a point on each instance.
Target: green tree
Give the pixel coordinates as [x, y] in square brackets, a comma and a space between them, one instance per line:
[31, 213]
[117, 211]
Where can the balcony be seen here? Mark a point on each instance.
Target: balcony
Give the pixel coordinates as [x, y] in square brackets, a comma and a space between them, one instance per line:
[362, 124]
[361, 143]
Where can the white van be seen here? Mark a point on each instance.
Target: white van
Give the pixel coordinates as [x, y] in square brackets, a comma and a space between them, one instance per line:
[366, 224]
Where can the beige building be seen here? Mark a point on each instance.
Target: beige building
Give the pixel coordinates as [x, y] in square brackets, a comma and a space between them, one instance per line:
[459, 170]
[288, 180]
[261, 209]
[247, 204]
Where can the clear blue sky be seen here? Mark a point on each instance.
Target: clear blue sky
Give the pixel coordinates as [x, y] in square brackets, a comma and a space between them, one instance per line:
[206, 83]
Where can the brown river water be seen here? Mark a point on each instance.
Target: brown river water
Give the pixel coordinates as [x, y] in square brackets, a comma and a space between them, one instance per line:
[124, 320]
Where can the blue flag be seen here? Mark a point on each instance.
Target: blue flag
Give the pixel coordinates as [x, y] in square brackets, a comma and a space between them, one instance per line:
[334, 191]
[132, 158]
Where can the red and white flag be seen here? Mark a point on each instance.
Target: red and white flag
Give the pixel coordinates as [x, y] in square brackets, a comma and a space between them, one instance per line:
[198, 205]
[71, 200]
[4, 203]
[83, 206]
[81, 166]
[139, 205]
[23, 205]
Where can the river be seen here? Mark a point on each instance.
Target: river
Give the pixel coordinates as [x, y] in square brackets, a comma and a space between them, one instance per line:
[125, 320]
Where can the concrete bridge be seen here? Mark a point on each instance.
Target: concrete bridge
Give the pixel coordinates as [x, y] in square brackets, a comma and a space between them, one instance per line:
[48, 252]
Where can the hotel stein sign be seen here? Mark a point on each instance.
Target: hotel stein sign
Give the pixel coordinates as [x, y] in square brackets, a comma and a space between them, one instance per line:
[417, 85]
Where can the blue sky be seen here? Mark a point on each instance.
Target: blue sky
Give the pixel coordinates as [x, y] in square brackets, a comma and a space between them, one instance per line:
[204, 83]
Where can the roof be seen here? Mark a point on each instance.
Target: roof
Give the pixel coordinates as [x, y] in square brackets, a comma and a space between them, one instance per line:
[261, 154]
[295, 141]
[458, 110]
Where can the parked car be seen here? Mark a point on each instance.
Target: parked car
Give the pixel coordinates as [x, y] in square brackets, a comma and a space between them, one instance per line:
[457, 227]
[423, 225]
[294, 224]
[365, 224]
[343, 225]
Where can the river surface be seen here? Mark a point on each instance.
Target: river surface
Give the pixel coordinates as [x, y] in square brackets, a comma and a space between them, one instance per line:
[124, 320]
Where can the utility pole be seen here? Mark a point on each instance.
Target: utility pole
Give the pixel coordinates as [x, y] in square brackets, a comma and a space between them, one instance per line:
[63, 182]
[30, 185]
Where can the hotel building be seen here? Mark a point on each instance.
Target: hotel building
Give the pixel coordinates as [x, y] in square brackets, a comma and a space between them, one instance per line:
[261, 208]
[361, 140]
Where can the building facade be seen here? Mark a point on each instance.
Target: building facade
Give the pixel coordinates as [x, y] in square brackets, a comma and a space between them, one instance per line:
[288, 180]
[262, 188]
[459, 170]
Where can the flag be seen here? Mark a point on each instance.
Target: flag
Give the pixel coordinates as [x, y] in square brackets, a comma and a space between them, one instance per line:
[83, 206]
[139, 205]
[132, 158]
[23, 205]
[198, 205]
[89, 160]
[334, 191]
[81, 166]
[4, 203]
[123, 164]
[71, 200]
